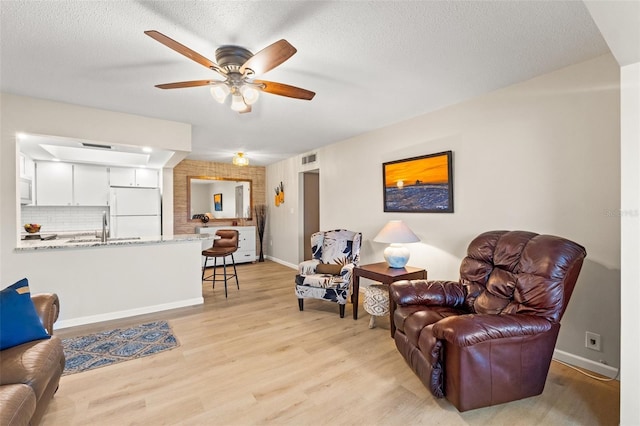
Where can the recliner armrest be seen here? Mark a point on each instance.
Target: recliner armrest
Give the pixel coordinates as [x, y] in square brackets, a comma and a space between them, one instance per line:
[423, 292]
[468, 330]
[47, 307]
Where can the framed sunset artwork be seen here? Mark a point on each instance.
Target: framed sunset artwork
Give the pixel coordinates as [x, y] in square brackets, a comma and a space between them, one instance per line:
[420, 184]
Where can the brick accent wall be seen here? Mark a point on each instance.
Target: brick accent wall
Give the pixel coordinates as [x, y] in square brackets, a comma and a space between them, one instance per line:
[182, 224]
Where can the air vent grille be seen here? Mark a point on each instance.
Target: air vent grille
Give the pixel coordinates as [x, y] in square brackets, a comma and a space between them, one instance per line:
[309, 159]
[95, 145]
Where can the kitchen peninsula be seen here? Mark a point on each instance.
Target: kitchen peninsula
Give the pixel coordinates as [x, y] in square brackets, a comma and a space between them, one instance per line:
[120, 278]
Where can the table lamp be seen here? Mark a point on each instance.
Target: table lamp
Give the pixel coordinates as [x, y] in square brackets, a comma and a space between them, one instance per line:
[396, 233]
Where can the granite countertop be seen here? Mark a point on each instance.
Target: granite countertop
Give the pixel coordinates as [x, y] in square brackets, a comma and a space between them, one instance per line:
[85, 240]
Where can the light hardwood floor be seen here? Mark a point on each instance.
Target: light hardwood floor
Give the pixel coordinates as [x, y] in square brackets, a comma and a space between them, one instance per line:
[255, 359]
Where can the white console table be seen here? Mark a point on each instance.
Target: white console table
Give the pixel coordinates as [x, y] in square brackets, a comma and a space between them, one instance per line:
[246, 241]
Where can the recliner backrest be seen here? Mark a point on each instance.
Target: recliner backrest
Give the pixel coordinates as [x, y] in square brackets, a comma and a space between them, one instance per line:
[520, 272]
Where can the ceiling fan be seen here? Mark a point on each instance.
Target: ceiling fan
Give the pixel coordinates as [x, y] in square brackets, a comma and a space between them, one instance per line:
[238, 67]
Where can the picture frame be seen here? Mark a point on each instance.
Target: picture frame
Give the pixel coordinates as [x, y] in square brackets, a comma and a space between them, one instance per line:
[217, 202]
[421, 184]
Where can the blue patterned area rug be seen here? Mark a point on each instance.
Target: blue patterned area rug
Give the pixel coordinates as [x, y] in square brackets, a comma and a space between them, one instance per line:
[122, 344]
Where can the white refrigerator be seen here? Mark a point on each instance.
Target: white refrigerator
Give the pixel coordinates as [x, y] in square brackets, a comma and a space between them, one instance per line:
[134, 212]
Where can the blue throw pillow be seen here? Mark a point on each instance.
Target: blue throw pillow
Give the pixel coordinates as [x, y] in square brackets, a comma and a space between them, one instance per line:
[19, 321]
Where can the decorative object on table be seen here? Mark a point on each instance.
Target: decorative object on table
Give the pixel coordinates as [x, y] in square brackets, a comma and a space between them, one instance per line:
[478, 341]
[279, 199]
[328, 275]
[217, 202]
[396, 233]
[419, 184]
[261, 221]
[113, 346]
[204, 218]
[32, 228]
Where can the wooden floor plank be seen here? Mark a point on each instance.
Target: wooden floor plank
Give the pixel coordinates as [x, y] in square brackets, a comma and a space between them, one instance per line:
[254, 358]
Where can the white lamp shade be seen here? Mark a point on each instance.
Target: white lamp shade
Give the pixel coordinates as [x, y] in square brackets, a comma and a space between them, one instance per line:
[396, 232]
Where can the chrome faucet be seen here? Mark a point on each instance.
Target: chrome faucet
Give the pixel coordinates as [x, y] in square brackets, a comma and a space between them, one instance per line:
[103, 237]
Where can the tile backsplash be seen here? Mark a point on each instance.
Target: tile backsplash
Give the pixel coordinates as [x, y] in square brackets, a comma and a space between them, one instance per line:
[64, 218]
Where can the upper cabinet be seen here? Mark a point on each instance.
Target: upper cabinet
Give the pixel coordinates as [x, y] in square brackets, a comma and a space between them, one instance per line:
[66, 184]
[54, 184]
[27, 166]
[90, 185]
[126, 176]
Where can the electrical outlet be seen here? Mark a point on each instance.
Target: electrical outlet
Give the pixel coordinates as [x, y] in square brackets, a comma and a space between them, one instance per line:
[592, 341]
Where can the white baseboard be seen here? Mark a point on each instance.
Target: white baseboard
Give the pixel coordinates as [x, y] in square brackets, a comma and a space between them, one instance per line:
[282, 262]
[91, 319]
[587, 364]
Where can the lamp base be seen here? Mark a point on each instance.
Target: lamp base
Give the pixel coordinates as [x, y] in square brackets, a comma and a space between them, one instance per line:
[396, 255]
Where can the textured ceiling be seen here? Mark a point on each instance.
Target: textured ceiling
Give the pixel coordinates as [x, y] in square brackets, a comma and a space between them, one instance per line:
[371, 63]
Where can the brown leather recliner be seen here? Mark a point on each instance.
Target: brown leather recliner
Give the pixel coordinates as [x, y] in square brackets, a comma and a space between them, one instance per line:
[30, 372]
[489, 338]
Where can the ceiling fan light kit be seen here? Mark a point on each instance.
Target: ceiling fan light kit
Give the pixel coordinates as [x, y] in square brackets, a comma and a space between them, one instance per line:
[238, 66]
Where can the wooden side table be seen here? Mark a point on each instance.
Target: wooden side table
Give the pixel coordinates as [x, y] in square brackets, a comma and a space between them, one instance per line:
[381, 272]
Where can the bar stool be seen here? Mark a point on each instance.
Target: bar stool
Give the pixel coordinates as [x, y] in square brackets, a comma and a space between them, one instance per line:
[224, 246]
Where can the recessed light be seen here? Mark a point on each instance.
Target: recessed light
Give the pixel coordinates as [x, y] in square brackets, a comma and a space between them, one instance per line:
[146, 149]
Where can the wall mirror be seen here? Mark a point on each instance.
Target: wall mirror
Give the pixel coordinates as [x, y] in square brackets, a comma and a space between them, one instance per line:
[219, 198]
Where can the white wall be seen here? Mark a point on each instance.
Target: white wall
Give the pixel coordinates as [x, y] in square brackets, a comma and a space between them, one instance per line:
[38, 116]
[543, 156]
[619, 23]
[630, 213]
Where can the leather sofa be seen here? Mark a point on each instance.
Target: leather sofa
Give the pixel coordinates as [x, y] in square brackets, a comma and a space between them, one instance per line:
[30, 372]
[488, 338]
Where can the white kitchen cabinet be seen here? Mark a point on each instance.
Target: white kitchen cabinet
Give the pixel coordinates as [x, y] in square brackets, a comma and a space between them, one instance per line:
[54, 184]
[246, 241]
[90, 185]
[27, 166]
[66, 184]
[128, 176]
[147, 178]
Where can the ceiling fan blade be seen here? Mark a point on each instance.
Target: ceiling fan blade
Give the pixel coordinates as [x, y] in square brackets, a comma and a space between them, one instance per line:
[269, 57]
[182, 49]
[183, 84]
[285, 90]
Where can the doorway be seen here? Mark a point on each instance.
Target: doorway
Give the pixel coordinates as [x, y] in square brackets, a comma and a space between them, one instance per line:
[311, 208]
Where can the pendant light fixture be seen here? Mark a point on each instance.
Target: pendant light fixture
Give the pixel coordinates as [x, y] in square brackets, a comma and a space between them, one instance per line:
[240, 160]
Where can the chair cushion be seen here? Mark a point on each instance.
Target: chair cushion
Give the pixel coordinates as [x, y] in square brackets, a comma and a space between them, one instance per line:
[337, 294]
[321, 280]
[216, 251]
[337, 246]
[19, 322]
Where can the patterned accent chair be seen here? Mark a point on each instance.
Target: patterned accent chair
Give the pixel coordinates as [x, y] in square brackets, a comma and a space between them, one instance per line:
[329, 274]
[488, 338]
